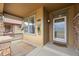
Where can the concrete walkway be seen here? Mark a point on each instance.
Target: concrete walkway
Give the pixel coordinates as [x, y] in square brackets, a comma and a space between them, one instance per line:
[52, 50]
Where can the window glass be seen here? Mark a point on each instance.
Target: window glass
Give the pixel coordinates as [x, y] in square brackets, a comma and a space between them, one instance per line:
[29, 25]
[26, 26]
[59, 28]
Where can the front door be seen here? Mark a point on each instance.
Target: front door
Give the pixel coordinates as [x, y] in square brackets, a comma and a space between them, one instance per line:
[59, 30]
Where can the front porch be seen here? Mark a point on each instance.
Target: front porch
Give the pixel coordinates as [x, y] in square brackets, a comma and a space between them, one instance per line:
[39, 29]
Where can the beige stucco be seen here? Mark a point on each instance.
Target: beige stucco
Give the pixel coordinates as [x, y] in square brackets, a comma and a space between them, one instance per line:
[35, 38]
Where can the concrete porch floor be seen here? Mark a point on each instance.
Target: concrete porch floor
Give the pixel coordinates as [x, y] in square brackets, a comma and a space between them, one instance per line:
[53, 50]
[20, 48]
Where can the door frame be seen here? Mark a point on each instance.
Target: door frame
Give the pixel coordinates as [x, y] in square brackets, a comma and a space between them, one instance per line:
[65, 18]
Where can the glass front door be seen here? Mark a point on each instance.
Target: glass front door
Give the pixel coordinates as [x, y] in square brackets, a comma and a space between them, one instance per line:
[59, 30]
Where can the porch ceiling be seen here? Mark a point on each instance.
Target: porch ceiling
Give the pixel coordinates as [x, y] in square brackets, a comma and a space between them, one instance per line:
[1, 7]
[22, 9]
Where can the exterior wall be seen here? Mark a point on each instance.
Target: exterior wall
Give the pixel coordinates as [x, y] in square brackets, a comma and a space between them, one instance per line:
[47, 34]
[71, 15]
[46, 26]
[36, 39]
[76, 12]
[69, 12]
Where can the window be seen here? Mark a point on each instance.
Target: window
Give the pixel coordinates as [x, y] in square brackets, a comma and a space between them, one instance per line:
[26, 26]
[29, 25]
[1, 18]
[59, 28]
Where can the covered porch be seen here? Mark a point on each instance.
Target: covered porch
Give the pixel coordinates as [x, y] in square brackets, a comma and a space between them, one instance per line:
[30, 27]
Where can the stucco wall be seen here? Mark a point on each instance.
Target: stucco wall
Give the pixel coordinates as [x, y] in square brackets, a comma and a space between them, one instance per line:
[46, 26]
[35, 38]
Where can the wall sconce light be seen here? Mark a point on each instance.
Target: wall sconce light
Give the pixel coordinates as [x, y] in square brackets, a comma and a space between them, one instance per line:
[48, 21]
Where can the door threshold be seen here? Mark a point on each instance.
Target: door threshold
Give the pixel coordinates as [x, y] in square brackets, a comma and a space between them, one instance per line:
[60, 44]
